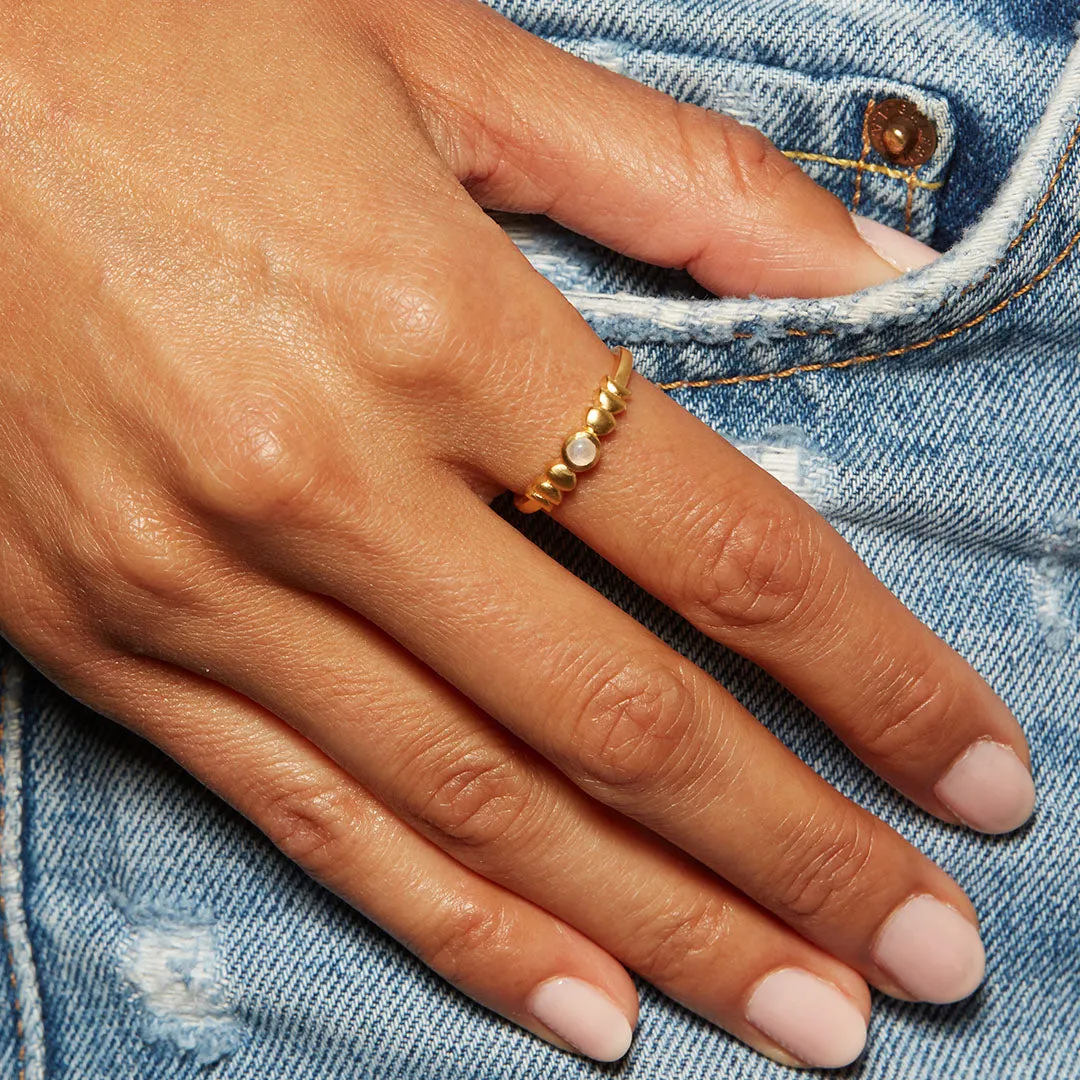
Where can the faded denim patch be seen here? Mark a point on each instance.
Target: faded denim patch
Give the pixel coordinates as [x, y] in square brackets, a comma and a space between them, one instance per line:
[172, 961]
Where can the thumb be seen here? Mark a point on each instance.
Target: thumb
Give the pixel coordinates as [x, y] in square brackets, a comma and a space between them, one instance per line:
[530, 128]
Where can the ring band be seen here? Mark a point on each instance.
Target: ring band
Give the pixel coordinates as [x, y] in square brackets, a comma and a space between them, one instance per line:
[581, 448]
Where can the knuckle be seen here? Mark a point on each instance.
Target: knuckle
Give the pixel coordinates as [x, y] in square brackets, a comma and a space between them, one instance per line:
[750, 568]
[821, 867]
[415, 330]
[755, 170]
[152, 556]
[253, 458]
[677, 938]
[470, 937]
[306, 819]
[747, 159]
[718, 153]
[718, 148]
[915, 704]
[693, 127]
[634, 730]
[413, 312]
[476, 797]
[130, 550]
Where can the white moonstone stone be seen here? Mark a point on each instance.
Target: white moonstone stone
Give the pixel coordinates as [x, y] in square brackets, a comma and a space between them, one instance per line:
[581, 451]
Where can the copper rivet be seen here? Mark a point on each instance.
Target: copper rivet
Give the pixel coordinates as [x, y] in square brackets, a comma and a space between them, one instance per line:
[901, 133]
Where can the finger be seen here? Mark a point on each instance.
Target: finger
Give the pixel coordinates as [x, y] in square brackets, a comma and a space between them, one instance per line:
[750, 564]
[497, 948]
[529, 127]
[746, 561]
[639, 728]
[620, 713]
[430, 756]
[721, 541]
[625, 717]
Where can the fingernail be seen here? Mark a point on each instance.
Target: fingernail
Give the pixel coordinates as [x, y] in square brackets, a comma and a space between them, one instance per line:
[898, 249]
[988, 788]
[931, 950]
[584, 1016]
[808, 1017]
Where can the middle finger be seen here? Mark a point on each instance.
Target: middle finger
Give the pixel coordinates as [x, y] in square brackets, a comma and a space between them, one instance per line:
[639, 728]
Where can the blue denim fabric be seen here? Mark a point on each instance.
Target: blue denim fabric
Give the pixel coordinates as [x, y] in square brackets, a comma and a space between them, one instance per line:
[151, 933]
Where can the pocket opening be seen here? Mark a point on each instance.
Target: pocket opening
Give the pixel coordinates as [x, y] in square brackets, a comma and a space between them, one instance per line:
[1004, 255]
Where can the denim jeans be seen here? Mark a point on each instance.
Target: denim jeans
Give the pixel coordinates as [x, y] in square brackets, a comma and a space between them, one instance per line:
[149, 932]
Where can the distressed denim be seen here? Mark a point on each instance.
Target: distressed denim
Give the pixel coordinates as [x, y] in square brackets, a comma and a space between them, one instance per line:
[149, 932]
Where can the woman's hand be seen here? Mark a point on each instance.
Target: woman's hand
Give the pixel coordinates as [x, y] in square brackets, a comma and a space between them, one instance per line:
[264, 362]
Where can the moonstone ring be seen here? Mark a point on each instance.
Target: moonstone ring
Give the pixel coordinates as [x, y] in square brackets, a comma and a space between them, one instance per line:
[581, 448]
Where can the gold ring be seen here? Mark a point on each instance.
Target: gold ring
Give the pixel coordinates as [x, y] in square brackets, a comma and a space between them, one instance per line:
[581, 448]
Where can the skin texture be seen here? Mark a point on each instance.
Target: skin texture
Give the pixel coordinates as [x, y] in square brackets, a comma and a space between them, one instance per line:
[265, 362]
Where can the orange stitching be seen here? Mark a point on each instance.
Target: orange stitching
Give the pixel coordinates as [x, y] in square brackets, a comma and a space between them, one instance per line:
[869, 166]
[910, 201]
[910, 178]
[3, 909]
[732, 380]
[1069, 146]
[863, 156]
[1039, 207]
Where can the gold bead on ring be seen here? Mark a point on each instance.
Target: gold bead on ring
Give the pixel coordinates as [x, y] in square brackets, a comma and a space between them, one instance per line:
[581, 447]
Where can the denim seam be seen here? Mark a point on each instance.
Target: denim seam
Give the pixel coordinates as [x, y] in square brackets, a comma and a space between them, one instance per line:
[24, 981]
[1070, 146]
[826, 331]
[852, 361]
[910, 177]
[1017, 240]
[909, 206]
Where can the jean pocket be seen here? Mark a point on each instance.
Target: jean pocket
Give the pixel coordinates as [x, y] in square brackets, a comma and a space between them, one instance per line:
[828, 123]
[684, 337]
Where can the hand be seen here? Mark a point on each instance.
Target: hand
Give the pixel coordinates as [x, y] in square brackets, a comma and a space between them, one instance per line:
[265, 362]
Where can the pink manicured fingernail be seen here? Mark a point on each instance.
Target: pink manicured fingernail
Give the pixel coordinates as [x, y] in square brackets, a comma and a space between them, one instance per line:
[808, 1017]
[584, 1016]
[988, 788]
[931, 950]
[898, 249]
